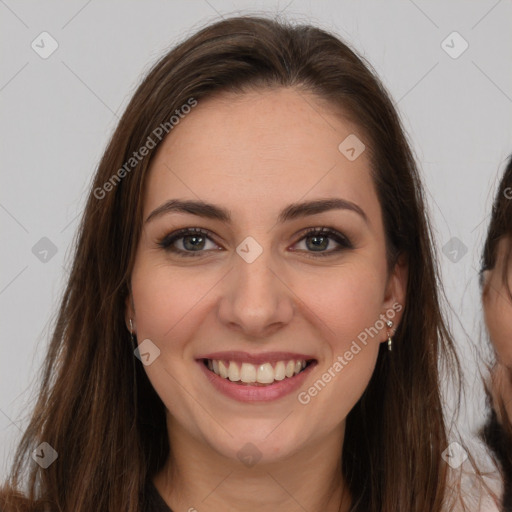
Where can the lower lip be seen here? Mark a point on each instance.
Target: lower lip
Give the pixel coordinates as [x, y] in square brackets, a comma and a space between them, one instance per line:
[248, 393]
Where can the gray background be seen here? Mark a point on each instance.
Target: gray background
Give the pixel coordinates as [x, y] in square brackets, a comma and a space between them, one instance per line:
[58, 113]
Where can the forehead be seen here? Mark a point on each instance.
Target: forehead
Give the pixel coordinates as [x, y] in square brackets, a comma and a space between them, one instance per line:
[267, 147]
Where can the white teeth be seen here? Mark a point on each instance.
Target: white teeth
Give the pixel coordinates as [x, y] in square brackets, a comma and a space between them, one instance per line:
[290, 369]
[248, 373]
[279, 373]
[233, 372]
[264, 373]
[223, 371]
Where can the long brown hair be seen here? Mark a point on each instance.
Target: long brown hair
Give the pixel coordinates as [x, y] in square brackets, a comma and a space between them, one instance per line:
[497, 433]
[96, 406]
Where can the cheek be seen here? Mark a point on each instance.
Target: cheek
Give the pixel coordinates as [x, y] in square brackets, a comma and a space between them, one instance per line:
[169, 306]
[167, 300]
[346, 309]
[347, 300]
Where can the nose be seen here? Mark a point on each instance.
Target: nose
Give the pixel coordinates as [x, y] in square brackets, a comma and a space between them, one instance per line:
[256, 300]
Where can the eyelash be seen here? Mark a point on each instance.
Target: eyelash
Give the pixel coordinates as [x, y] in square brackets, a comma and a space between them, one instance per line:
[166, 242]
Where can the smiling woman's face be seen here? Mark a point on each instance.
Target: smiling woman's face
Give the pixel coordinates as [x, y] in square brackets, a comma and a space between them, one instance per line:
[257, 283]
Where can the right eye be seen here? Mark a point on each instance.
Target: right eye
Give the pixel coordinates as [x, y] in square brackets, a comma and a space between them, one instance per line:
[192, 240]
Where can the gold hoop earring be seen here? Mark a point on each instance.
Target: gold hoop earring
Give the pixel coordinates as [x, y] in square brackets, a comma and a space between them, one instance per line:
[390, 340]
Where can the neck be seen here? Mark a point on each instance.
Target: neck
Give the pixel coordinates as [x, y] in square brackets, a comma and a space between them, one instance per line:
[197, 477]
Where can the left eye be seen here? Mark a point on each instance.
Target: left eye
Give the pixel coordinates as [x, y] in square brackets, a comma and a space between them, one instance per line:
[194, 240]
[321, 238]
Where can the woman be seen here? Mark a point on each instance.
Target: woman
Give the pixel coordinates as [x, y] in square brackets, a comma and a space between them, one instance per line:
[497, 301]
[257, 229]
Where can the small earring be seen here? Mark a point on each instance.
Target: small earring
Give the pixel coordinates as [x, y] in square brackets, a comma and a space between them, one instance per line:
[131, 335]
[390, 341]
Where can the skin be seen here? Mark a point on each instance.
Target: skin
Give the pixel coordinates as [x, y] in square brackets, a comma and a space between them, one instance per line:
[498, 312]
[254, 154]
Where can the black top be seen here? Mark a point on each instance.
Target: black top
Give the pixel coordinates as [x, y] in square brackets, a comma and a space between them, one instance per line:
[153, 502]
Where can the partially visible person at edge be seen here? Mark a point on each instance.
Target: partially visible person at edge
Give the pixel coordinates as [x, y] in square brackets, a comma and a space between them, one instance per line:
[258, 203]
[496, 284]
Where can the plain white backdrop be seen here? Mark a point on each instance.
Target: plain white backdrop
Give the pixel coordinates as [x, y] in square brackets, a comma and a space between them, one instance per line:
[59, 110]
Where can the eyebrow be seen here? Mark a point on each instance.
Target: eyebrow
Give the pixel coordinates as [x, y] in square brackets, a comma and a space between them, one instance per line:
[291, 212]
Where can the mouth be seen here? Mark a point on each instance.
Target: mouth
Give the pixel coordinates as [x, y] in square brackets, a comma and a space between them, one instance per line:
[262, 374]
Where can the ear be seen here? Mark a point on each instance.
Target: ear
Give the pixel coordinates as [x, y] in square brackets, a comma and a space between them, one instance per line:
[395, 296]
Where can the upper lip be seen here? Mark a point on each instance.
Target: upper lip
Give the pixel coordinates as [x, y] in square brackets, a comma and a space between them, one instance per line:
[260, 358]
